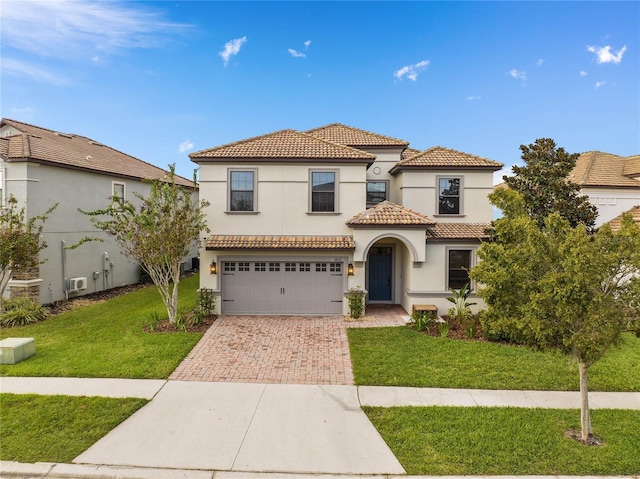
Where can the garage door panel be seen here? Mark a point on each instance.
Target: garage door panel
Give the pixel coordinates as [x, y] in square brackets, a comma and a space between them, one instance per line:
[282, 287]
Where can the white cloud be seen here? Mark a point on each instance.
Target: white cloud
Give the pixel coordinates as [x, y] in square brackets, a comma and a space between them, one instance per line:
[600, 83]
[605, 55]
[518, 75]
[411, 71]
[297, 54]
[472, 98]
[27, 110]
[540, 62]
[232, 48]
[186, 145]
[65, 28]
[583, 73]
[21, 68]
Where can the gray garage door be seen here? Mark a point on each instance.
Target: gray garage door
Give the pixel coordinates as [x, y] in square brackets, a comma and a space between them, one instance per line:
[281, 287]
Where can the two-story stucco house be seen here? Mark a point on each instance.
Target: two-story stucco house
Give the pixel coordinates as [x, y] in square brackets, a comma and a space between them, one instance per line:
[42, 167]
[611, 182]
[299, 218]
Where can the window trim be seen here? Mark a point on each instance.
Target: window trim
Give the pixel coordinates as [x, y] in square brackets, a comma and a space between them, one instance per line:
[386, 191]
[255, 191]
[124, 190]
[472, 263]
[460, 195]
[336, 189]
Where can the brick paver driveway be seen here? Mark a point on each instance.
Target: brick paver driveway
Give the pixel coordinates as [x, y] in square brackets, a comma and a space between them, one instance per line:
[277, 349]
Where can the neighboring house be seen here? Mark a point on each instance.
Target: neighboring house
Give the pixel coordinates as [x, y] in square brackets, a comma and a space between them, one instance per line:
[616, 222]
[299, 218]
[41, 167]
[611, 182]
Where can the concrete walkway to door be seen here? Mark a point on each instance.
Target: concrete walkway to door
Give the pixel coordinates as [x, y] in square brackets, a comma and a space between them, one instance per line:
[280, 349]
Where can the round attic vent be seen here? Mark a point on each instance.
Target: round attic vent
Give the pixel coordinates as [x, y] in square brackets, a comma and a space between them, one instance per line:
[88, 158]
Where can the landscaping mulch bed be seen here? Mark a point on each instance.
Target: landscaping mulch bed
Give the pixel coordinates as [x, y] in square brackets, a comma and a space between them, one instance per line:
[92, 298]
[456, 331]
[164, 326]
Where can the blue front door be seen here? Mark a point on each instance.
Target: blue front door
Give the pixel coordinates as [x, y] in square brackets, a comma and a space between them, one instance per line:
[380, 273]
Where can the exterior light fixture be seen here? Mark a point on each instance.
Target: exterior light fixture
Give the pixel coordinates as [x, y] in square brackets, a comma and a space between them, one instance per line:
[350, 269]
[213, 268]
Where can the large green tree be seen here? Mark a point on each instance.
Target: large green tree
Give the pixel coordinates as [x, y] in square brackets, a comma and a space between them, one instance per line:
[158, 233]
[557, 286]
[20, 241]
[544, 185]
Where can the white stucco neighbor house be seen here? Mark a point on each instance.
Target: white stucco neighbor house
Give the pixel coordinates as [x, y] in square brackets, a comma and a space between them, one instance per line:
[41, 167]
[611, 182]
[299, 218]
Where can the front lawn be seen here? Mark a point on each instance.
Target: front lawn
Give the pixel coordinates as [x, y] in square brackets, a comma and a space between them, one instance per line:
[107, 340]
[508, 441]
[57, 428]
[401, 356]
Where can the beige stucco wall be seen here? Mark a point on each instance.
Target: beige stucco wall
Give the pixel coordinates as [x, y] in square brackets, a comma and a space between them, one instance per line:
[418, 191]
[282, 195]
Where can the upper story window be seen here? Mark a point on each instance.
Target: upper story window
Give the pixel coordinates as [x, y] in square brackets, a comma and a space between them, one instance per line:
[242, 190]
[377, 192]
[118, 191]
[323, 191]
[449, 202]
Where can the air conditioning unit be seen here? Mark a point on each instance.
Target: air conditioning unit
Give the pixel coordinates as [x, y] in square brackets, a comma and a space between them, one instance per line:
[77, 284]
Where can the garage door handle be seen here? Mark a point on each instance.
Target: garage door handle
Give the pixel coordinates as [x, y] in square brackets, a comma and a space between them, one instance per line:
[281, 290]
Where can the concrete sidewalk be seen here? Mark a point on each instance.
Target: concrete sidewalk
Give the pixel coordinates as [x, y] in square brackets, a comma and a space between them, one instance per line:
[382, 396]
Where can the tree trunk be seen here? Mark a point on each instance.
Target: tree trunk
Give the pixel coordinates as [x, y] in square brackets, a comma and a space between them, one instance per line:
[585, 416]
[5, 277]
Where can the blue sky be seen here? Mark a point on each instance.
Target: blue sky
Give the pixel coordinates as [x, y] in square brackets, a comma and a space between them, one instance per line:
[158, 80]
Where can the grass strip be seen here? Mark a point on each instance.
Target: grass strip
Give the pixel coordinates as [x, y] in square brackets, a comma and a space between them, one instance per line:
[106, 340]
[401, 356]
[507, 441]
[57, 428]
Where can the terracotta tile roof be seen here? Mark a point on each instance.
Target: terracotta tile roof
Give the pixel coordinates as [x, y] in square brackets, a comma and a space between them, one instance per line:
[75, 151]
[280, 242]
[439, 157]
[389, 214]
[595, 168]
[283, 145]
[347, 135]
[632, 166]
[616, 222]
[408, 153]
[458, 231]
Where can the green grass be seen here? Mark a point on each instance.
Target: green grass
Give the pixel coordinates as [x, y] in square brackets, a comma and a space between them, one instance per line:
[57, 428]
[508, 441]
[401, 356]
[107, 340]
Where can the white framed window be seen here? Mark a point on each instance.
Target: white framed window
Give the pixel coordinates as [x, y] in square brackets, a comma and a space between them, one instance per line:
[377, 192]
[323, 191]
[459, 263]
[449, 195]
[242, 190]
[118, 190]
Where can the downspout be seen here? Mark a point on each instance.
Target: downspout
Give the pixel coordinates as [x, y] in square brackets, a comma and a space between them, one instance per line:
[63, 257]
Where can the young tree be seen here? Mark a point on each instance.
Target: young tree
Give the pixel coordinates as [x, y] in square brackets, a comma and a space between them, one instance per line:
[20, 241]
[544, 185]
[558, 287]
[157, 234]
